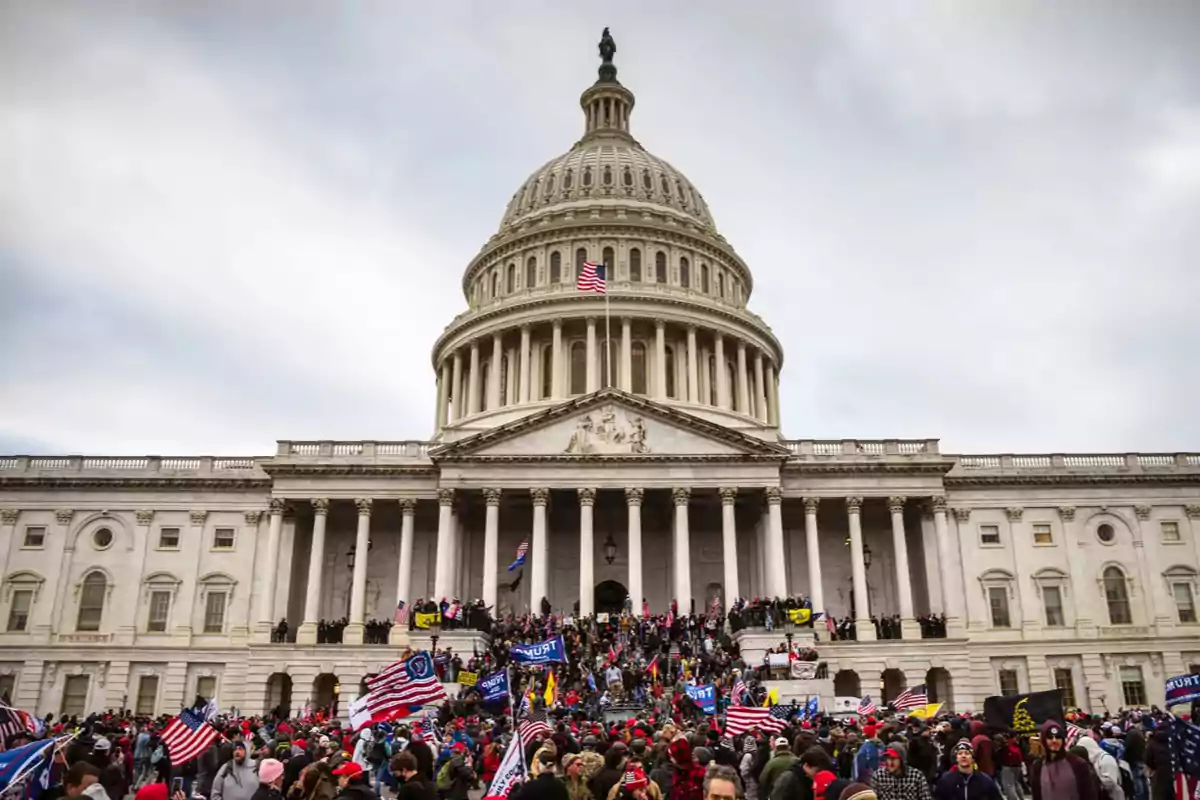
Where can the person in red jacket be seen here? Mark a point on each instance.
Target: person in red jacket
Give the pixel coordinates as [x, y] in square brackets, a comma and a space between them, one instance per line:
[491, 762]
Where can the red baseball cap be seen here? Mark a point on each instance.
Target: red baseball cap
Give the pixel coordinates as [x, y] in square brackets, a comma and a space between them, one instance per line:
[349, 768]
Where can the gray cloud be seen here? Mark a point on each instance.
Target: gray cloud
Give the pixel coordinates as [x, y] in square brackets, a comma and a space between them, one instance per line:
[230, 223]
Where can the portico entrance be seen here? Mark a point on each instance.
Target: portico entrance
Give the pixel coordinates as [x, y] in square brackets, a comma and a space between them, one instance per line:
[610, 597]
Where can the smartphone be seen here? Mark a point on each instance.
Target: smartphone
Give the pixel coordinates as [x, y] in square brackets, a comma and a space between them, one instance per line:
[176, 785]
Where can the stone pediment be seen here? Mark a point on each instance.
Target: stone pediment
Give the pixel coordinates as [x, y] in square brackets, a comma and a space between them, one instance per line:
[609, 424]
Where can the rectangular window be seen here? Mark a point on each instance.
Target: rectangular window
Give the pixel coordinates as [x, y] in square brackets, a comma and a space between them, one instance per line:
[998, 599]
[223, 539]
[18, 611]
[1064, 679]
[989, 534]
[214, 612]
[8, 687]
[206, 686]
[147, 696]
[1052, 598]
[74, 696]
[160, 610]
[1132, 686]
[1169, 530]
[168, 538]
[35, 536]
[1185, 603]
[1042, 533]
[1009, 685]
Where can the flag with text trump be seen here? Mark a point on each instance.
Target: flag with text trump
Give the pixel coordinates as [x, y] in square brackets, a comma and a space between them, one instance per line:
[511, 770]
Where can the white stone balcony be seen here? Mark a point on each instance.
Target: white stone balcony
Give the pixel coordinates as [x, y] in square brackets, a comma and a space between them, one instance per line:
[72, 468]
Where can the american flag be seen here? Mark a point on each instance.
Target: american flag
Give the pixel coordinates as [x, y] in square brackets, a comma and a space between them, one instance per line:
[739, 719]
[909, 699]
[592, 278]
[187, 736]
[401, 616]
[867, 706]
[534, 724]
[738, 691]
[519, 561]
[1185, 757]
[410, 682]
[14, 720]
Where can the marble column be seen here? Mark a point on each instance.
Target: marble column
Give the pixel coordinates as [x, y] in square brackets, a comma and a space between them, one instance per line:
[626, 376]
[538, 578]
[660, 359]
[760, 397]
[358, 590]
[729, 545]
[556, 365]
[776, 558]
[266, 602]
[443, 564]
[633, 502]
[495, 373]
[743, 383]
[408, 512]
[909, 629]
[491, 545]
[456, 396]
[858, 569]
[722, 373]
[693, 390]
[473, 387]
[592, 356]
[772, 406]
[950, 579]
[683, 555]
[443, 388]
[524, 392]
[587, 575]
[812, 541]
[307, 633]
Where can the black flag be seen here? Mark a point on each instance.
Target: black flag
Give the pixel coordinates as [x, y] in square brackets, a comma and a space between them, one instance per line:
[512, 587]
[1024, 712]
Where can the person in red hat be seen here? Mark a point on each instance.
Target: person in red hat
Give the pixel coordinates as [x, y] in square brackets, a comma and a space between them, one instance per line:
[352, 782]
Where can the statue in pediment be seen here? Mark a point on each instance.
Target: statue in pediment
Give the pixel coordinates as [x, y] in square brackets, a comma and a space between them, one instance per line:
[608, 431]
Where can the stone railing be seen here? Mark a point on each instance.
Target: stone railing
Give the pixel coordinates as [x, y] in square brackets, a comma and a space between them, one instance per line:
[857, 448]
[130, 466]
[1115, 463]
[362, 450]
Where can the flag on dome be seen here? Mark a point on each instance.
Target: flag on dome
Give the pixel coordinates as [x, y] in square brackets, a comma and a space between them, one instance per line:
[519, 561]
[592, 278]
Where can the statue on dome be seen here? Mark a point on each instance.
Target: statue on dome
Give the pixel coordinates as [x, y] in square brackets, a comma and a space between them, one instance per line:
[608, 48]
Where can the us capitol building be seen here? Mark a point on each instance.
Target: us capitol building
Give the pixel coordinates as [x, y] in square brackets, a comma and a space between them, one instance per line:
[656, 466]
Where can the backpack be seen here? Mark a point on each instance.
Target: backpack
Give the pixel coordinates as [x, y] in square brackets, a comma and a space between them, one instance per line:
[378, 754]
[445, 777]
[1126, 779]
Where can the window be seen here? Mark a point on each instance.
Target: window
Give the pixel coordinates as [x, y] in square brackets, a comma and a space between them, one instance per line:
[530, 272]
[91, 602]
[35, 536]
[998, 600]
[74, 696]
[635, 265]
[580, 260]
[637, 359]
[665, 184]
[547, 371]
[685, 273]
[102, 538]
[160, 610]
[147, 696]
[704, 278]
[989, 535]
[670, 372]
[606, 258]
[1132, 687]
[1064, 680]
[1169, 530]
[1052, 600]
[550, 184]
[206, 686]
[1106, 533]
[627, 177]
[495, 284]
[606, 175]
[8, 687]
[578, 368]
[1010, 684]
[1185, 602]
[18, 610]
[587, 176]
[568, 180]
[556, 267]
[647, 181]
[214, 612]
[511, 286]
[1116, 594]
[168, 539]
[660, 267]
[720, 284]
[1042, 533]
[223, 539]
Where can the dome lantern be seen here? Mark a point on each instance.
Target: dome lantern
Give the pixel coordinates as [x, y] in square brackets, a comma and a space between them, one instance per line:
[606, 103]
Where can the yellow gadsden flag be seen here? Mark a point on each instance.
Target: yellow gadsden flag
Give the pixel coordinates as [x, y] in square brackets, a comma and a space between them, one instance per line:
[799, 616]
[551, 689]
[927, 712]
[426, 620]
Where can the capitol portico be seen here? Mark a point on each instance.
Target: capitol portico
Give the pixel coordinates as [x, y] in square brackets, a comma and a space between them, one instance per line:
[635, 442]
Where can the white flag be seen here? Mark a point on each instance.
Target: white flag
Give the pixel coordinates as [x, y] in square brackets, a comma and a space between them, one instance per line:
[360, 715]
[512, 769]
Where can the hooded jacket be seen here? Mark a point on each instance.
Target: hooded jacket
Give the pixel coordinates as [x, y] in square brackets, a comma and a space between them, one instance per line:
[907, 784]
[1106, 767]
[1082, 770]
[236, 781]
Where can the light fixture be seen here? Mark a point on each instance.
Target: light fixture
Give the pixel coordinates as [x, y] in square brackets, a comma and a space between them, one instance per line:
[866, 556]
[610, 548]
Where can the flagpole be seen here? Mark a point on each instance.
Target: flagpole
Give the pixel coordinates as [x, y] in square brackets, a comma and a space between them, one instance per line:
[607, 337]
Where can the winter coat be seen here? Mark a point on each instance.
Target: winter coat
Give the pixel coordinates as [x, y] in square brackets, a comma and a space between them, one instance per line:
[544, 787]
[1106, 767]
[780, 763]
[236, 781]
[907, 784]
[955, 785]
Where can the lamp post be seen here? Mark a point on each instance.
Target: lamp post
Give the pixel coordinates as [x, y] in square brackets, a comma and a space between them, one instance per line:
[610, 548]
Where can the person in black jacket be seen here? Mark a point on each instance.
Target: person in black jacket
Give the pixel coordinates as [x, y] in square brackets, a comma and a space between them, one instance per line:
[412, 784]
[546, 786]
[963, 781]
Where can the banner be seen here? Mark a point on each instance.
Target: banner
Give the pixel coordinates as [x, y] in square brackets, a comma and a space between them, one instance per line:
[799, 616]
[704, 696]
[546, 652]
[1183, 689]
[468, 678]
[845, 705]
[511, 770]
[778, 660]
[804, 670]
[495, 686]
[1024, 712]
[427, 620]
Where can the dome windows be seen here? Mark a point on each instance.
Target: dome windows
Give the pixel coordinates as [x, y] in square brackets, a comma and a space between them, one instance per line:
[627, 177]
[556, 267]
[666, 186]
[637, 359]
[685, 273]
[660, 267]
[721, 285]
[495, 284]
[511, 285]
[635, 265]
[704, 278]
[568, 180]
[683, 198]
[578, 368]
[606, 258]
[647, 181]
[670, 370]
[547, 371]
[587, 177]
[550, 184]
[530, 272]
[580, 259]
[607, 176]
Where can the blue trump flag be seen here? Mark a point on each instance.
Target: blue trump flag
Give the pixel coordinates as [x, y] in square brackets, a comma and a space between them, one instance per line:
[1183, 689]
[704, 696]
[812, 707]
[494, 687]
[547, 652]
[29, 761]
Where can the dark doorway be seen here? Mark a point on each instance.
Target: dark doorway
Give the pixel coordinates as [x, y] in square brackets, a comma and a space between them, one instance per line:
[610, 597]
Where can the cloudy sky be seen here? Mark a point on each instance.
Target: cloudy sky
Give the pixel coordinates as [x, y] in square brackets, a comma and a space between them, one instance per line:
[227, 223]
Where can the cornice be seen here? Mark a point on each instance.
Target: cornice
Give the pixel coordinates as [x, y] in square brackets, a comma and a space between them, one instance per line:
[1159, 479]
[730, 458]
[939, 467]
[356, 470]
[88, 482]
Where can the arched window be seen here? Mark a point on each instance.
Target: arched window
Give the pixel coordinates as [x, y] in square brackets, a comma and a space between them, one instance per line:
[91, 601]
[587, 176]
[530, 272]
[712, 380]
[606, 258]
[580, 258]
[720, 284]
[578, 368]
[637, 382]
[666, 185]
[549, 184]
[568, 180]
[647, 181]
[685, 273]
[704, 278]
[556, 267]
[671, 372]
[607, 176]
[1116, 594]
[660, 267]
[512, 279]
[635, 265]
[627, 177]
[496, 284]
[547, 371]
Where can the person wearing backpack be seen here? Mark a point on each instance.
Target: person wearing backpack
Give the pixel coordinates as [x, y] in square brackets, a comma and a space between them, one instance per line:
[1106, 767]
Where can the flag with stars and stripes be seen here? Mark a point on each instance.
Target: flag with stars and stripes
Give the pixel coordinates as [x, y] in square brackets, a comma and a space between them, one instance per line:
[519, 561]
[738, 692]
[534, 724]
[909, 699]
[866, 706]
[187, 736]
[591, 279]
[1185, 757]
[740, 719]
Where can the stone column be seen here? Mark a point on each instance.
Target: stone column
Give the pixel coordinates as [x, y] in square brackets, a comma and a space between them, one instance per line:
[858, 568]
[626, 376]
[494, 373]
[443, 387]
[456, 398]
[955, 619]
[444, 565]
[722, 373]
[358, 589]
[683, 556]
[525, 385]
[812, 540]
[693, 391]
[1083, 601]
[760, 397]
[587, 575]
[307, 633]
[408, 511]
[592, 356]
[633, 502]
[266, 602]
[729, 545]
[776, 559]
[660, 359]
[908, 622]
[473, 381]
[8, 525]
[538, 578]
[772, 407]
[491, 545]
[743, 382]
[556, 379]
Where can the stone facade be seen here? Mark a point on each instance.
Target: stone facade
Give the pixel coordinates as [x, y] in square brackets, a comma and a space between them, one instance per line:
[644, 456]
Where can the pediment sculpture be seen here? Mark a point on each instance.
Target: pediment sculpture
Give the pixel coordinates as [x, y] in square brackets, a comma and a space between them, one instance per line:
[608, 431]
